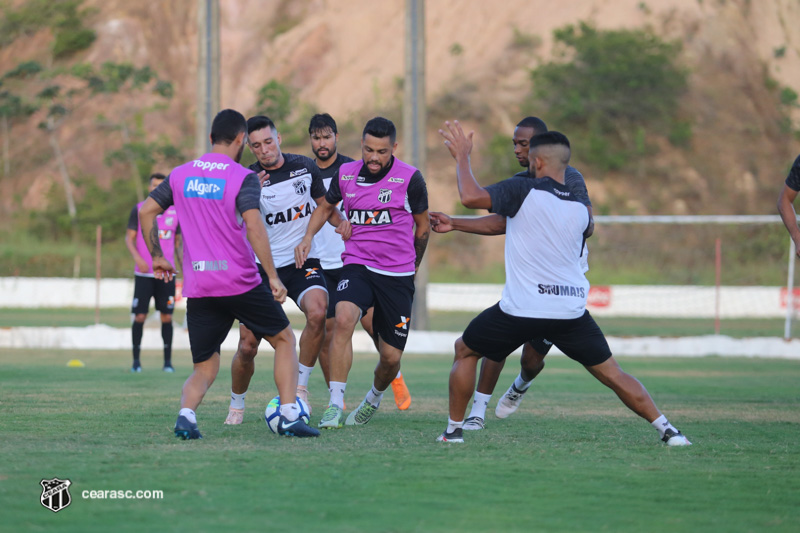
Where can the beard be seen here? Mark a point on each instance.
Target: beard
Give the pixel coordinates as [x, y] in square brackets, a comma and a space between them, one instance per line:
[239, 155]
[328, 154]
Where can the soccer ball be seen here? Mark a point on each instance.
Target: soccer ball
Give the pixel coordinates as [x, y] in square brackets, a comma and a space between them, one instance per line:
[273, 413]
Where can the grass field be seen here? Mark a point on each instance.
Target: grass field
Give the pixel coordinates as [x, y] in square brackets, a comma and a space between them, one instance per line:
[571, 459]
[439, 321]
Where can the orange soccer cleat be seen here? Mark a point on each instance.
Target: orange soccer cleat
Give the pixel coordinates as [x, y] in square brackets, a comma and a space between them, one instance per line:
[402, 397]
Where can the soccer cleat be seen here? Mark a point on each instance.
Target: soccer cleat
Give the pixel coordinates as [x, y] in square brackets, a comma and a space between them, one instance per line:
[474, 423]
[362, 415]
[297, 428]
[235, 417]
[186, 430]
[168, 369]
[402, 397]
[302, 393]
[332, 418]
[509, 402]
[456, 436]
[673, 438]
[136, 368]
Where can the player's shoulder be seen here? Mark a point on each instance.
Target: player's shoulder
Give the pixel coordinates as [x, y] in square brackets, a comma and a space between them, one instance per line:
[298, 162]
[341, 159]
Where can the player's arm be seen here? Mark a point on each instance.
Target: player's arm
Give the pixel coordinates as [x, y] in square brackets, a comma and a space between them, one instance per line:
[487, 225]
[422, 232]
[789, 215]
[320, 215]
[178, 248]
[130, 241]
[257, 236]
[471, 193]
[147, 218]
[590, 228]
[336, 219]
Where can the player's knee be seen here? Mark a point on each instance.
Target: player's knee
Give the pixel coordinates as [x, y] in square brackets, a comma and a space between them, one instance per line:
[248, 347]
[315, 316]
[461, 349]
[346, 317]
[166, 319]
[140, 318]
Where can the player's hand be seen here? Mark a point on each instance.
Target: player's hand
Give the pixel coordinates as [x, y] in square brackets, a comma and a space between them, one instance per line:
[345, 229]
[441, 223]
[459, 144]
[278, 290]
[301, 252]
[142, 265]
[263, 177]
[797, 247]
[163, 269]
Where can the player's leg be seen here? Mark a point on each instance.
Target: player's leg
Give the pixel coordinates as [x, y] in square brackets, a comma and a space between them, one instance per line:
[209, 321]
[487, 381]
[243, 366]
[531, 363]
[394, 298]
[332, 277]
[492, 334]
[143, 288]
[314, 304]
[402, 396]
[165, 304]
[585, 343]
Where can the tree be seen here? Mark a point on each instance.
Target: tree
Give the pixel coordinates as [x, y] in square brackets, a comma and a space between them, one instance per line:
[612, 85]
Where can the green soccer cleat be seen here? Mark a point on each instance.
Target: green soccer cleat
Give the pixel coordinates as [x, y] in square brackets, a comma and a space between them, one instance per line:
[332, 418]
[362, 415]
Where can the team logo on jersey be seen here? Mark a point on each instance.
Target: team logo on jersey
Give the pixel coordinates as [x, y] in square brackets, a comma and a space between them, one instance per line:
[300, 186]
[201, 187]
[397, 180]
[562, 290]
[368, 217]
[293, 213]
[350, 194]
[55, 493]
[343, 284]
[169, 221]
[385, 196]
[312, 273]
[294, 173]
[403, 322]
[346, 177]
[165, 234]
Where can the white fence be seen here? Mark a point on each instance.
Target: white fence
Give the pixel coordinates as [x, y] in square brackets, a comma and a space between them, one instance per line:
[616, 300]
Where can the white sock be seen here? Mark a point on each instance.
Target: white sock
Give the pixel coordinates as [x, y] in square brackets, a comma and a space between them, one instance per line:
[522, 385]
[662, 425]
[479, 405]
[189, 414]
[374, 397]
[237, 400]
[290, 411]
[303, 373]
[337, 389]
[452, 425]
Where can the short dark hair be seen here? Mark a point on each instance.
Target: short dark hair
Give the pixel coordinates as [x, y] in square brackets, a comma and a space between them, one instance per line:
[259, 122]
[535, 123]
[551, 137]
[321, 122]
[226, 126]
[380, 127]
[156, 176]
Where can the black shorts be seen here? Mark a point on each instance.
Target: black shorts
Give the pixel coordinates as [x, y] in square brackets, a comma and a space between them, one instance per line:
[391, 296]
[332, 277]
[298, 281]
[145, 287]
[541, 345]
[495, 334]
[210, 319]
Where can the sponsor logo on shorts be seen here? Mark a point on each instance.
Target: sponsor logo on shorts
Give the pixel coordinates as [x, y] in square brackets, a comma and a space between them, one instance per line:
[562, 290]
[300, 186]
[547, 342]
[403, 322]
[208, 188]
[208, 165]
[135, 302]
[294, 173]
[397, 180]
[293, 213]
[347, 177]
[369, 217]
[170, 302]
[343, 285]
[385, 196]
[312, 273]
[400, 333]
[209, 266]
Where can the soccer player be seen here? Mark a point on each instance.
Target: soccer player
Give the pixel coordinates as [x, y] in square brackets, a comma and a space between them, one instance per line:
[786, 204]
[386, 201]
[545, 291]
[324, 143]
[218, 203]
[291, 188]
[534, 351]
[145, 284]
